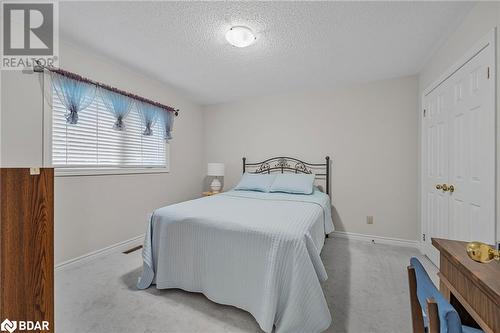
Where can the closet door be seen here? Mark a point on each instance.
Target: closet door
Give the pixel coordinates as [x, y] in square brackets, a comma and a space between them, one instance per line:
[436, 201]
[458, 155]
[472, 151]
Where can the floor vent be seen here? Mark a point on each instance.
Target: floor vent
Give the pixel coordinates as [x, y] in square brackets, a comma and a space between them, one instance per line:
[132, 249]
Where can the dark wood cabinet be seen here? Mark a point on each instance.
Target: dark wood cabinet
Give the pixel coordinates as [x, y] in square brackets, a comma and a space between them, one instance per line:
[27, 245]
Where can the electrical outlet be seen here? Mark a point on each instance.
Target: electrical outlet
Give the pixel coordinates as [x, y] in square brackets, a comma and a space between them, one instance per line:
[34, 171]
[369, 220]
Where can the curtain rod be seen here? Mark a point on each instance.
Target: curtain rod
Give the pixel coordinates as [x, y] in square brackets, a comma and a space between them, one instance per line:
[39, 69]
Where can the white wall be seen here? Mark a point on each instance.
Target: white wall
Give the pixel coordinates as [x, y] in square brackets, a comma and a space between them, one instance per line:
[92, 212]
[481, 20]
[484, 17]
[21, 120]
[369, 131]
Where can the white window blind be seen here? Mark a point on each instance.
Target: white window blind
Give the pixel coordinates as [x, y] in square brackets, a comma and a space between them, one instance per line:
[93, 143]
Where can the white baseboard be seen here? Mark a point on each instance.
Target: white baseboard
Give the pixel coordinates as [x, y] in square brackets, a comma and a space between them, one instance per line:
[376, 239]
[118, 247]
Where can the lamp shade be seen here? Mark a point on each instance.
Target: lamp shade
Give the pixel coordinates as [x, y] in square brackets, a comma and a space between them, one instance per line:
[215, 169]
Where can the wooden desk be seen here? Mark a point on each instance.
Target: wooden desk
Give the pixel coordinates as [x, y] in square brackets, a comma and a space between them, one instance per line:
[474, 285]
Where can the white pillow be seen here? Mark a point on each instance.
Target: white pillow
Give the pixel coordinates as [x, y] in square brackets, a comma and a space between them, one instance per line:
[255, 182]
[293, 183]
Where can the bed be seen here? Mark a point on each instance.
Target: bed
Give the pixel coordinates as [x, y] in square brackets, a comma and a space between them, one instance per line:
[257, 251]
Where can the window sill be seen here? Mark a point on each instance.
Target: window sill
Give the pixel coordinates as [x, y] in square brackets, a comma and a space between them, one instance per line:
[72, 172]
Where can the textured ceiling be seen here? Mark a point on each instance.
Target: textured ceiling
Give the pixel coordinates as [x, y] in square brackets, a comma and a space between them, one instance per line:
[300, 45]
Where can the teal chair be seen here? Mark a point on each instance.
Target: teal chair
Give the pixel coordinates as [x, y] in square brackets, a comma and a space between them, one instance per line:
[430, 311]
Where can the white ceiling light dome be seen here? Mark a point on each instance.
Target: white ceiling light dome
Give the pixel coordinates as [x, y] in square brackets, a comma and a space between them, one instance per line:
[240, 36]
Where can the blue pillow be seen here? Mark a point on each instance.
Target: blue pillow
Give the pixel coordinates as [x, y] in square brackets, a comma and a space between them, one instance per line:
[294, 183]
[255, 182]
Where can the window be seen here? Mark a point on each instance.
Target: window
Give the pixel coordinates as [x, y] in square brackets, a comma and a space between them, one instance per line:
[93, 143]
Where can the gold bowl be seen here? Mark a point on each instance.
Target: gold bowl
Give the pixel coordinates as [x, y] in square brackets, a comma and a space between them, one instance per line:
[481, 252]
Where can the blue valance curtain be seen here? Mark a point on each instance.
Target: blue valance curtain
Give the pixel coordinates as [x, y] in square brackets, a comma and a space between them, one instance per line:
[117, 104]
[77, 93]
[76, 96]
[149, 115]
[168, 123]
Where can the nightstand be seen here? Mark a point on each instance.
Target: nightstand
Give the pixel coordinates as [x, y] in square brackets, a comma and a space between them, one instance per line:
[209, 193]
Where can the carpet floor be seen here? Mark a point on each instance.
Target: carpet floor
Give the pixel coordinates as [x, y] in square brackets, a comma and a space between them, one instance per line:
[366, 291]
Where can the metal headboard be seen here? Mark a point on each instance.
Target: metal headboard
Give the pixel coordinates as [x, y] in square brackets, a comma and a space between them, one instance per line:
[292, 165]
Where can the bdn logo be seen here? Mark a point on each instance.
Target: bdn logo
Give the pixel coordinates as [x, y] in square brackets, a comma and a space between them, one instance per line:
[23, 325]
[28, 29]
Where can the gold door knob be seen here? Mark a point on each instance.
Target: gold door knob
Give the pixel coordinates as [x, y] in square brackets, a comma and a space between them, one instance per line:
[438, 186]
[451, 188]
[445, 187]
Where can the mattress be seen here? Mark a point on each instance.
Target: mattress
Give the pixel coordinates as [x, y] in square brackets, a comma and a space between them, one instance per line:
[257, 251]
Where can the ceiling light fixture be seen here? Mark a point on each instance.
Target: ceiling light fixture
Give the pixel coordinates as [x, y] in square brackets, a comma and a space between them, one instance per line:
[240, 36]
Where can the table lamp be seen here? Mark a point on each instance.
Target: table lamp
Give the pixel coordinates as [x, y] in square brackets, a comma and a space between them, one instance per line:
[215, 170]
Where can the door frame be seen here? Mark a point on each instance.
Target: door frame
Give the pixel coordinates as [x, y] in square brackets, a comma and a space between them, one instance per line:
[488, 40]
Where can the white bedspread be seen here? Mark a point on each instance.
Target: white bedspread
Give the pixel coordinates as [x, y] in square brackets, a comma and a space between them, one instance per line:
[257, 251]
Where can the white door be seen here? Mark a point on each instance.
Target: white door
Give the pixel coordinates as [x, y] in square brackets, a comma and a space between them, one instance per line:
[459, 155]
[472, 151]
[436, 132]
